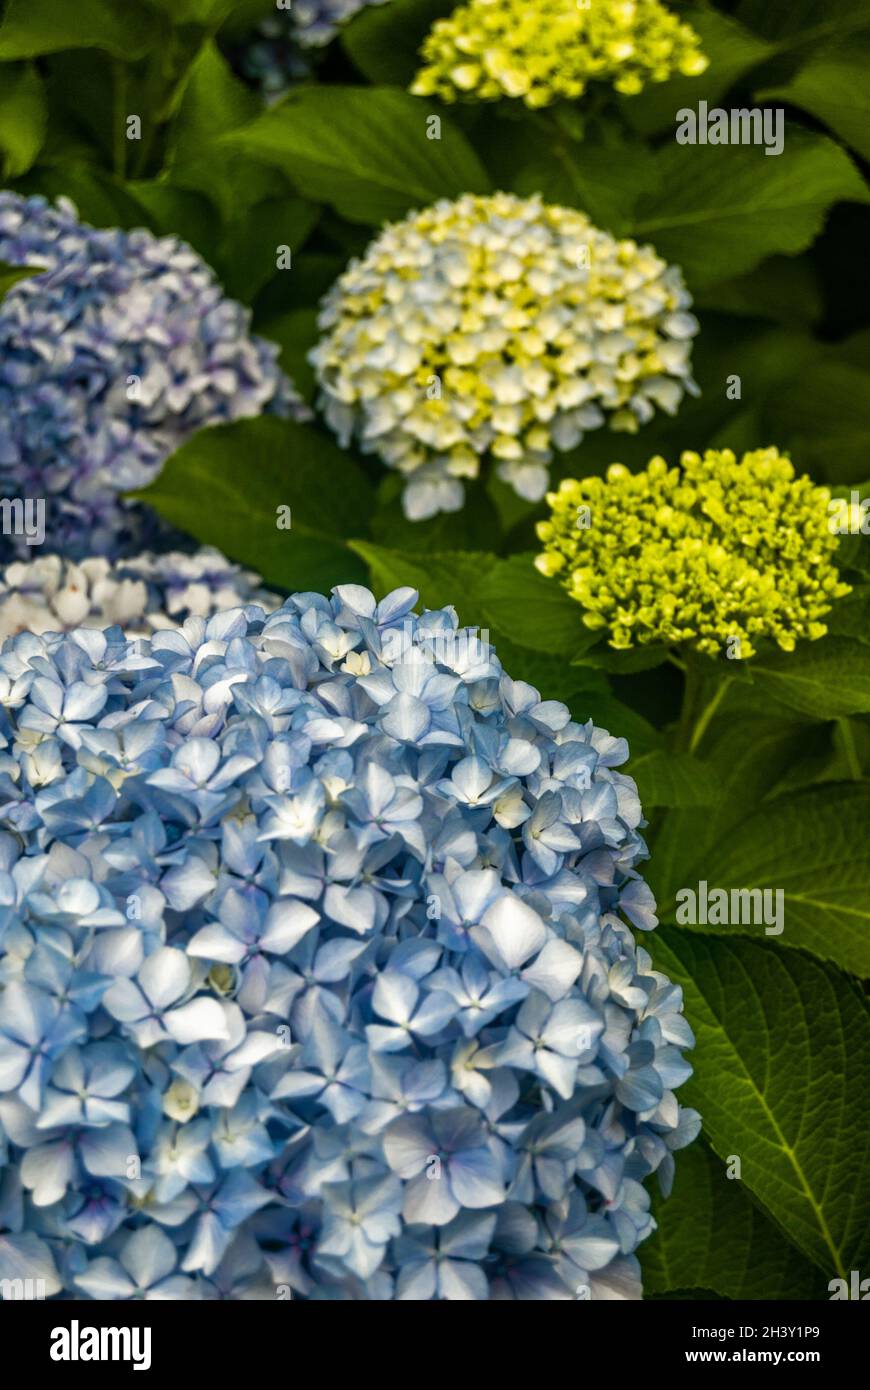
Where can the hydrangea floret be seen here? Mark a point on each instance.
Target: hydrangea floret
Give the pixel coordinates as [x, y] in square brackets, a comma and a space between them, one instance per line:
[718, 553]
[111, 356]
[317, 968]
[142, 594]
[498, 327]
[542, 51]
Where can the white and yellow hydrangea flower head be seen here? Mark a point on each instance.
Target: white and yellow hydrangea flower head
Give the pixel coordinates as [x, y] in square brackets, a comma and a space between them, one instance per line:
[718, 554]
[503, 328]
[541, 51]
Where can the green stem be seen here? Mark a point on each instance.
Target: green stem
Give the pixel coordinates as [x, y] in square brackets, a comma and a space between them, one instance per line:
[707, 713]
[705, 688]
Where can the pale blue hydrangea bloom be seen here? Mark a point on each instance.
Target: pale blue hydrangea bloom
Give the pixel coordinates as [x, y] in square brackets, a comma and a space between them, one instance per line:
[119, 350]
[315, 968]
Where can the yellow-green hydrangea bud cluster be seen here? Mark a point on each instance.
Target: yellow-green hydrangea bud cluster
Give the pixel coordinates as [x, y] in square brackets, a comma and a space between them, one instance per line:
[541, 51]
[498, 327]
[718, 553]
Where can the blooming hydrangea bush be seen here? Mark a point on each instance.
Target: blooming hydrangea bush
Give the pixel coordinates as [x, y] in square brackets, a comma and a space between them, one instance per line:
[142, 594]
[316, 968]
[717, 551]
[498, 327]
[543, 51]
[275, 55]
[110, 358]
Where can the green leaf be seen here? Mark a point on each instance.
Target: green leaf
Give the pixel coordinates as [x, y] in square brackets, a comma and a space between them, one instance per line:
[833, 86]
[225, 486]
[11, 274]
[665, 778]
[605, 175]
[783, 288]
[178, 212]
[23, 117]
[718, 211]
[822, 415]
[782, 1068]
[214, 103]
[534, 610]
[623, 663]
[850, 616]
[363, 150]
[33, 27]
[854, 551]
[384, 41]
[295, 333]
[802, 21]
[813, 846]
[749, 751]
[474, 527]
[712, 1234]
[208, 13]
[100, 200]
[248, 254]
[827, 679]
[441, 580]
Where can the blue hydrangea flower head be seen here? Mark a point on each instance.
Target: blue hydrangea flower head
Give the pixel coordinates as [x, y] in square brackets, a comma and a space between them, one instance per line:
[317, 970]
[116, 352]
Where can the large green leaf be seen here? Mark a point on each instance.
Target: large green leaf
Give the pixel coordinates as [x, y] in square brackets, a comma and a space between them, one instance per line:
[783, 288]
[384, 40]
[802, 21]
[719, 210]
[534, 610]
[711, 1234]
[605, 175]
[213, 103]
[782, 1067]
[826, 679]
[99, 199]
[208, 13]
[665, 778]
[749, 751]
[833, 86]
[23, 115]
[363, 150]
[226, 486]
[811, 845]
[32, 27]
[182, 212]
[441, 580]
[822, 415]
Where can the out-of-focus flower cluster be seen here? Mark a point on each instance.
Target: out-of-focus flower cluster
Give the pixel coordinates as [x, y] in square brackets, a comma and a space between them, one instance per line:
[110, 359]
[142, 594]
[498, 327]
[316, 971]
[715, 552]
[543, 51]
[277, 53]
